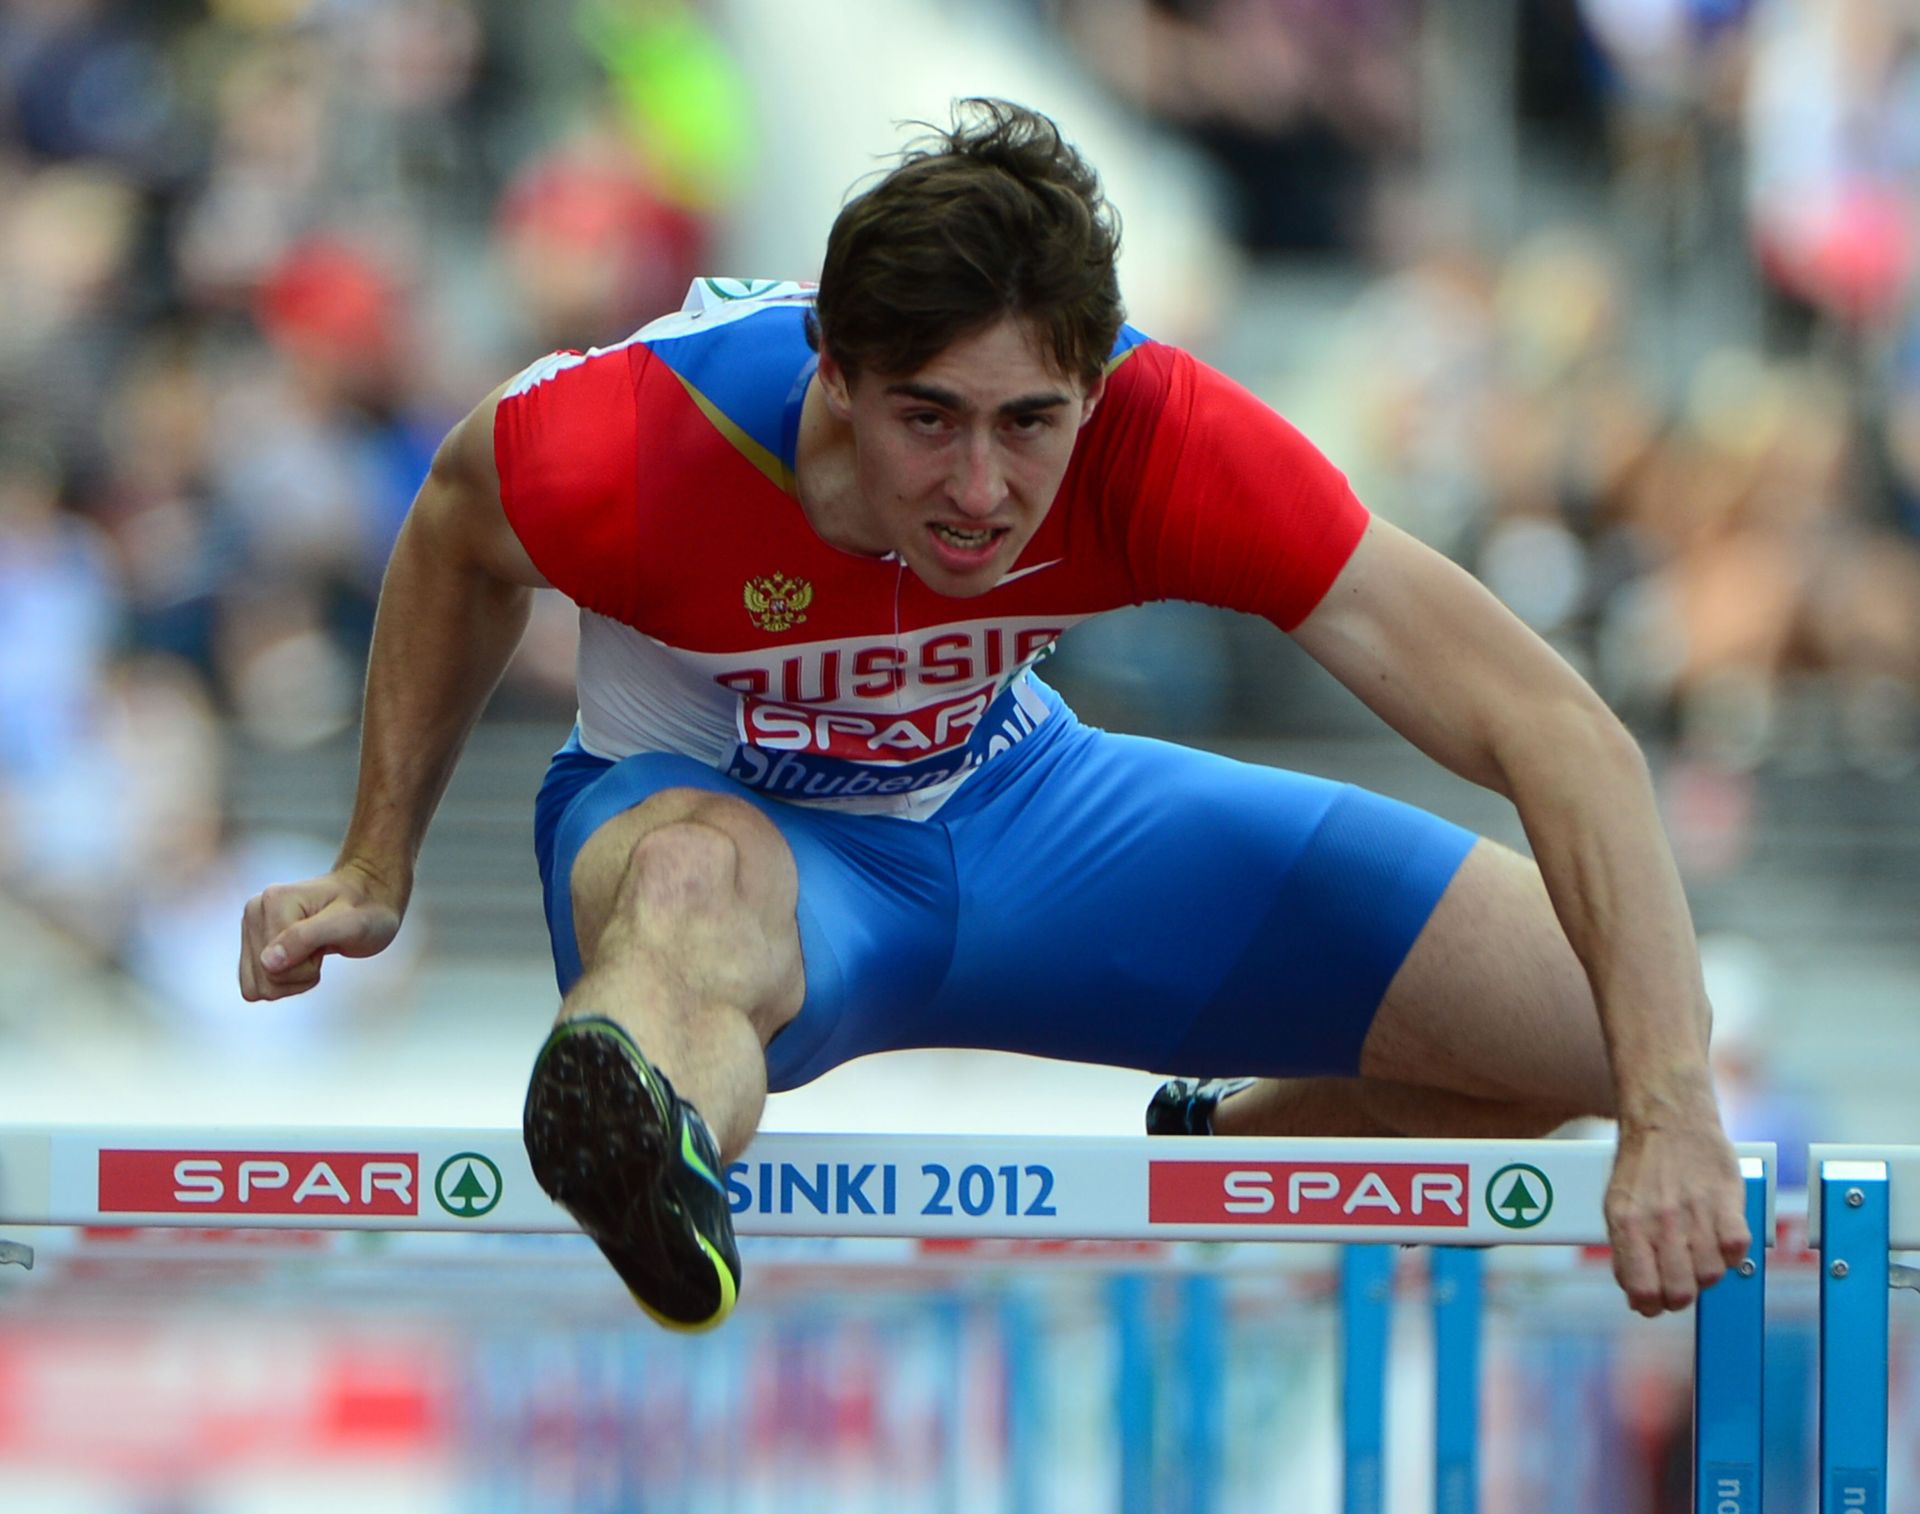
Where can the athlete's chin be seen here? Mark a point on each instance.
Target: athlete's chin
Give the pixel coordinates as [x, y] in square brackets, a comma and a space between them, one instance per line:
[969, 583]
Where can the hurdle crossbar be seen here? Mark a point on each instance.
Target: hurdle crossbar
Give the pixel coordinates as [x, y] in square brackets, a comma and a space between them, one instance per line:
[1440, 1193]
[1466, 1192]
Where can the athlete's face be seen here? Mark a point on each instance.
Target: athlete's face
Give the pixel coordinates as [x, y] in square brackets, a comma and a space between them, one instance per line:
[958, 463]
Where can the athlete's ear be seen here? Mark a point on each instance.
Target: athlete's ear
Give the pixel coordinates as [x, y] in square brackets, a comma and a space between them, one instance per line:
[1093, 398]
[835, 388]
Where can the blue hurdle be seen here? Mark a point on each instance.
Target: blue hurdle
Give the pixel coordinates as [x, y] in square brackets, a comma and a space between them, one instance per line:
[1729, 1326]
[1363, 1193]
[1865, 1204]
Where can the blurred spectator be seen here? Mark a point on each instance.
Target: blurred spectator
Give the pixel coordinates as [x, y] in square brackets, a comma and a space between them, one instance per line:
[1792, 618]
[179, 947]
[1300, 102]
[156, 502]
[59, 616]
[188, 878]
[1672, 74]
[59, 613]
[1833, 166]
[266, 179]
[592, 247]
[68, 235]
[319, 449]
[84, 79]
[288, 681]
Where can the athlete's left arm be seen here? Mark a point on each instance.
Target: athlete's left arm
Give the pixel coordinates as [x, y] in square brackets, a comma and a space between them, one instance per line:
[1444, 663]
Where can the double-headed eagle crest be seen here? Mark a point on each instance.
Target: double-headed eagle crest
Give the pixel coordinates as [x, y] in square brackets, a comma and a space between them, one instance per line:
[776, 602]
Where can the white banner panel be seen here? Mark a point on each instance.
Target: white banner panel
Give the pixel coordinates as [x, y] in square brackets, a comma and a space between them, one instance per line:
[1460, 1192]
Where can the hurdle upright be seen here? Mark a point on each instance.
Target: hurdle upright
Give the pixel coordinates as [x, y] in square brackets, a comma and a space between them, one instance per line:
[1446, 1193]
[1865, 1203]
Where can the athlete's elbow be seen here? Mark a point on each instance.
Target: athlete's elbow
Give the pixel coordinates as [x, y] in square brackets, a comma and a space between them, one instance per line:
[1570, 736]
[1608, 742]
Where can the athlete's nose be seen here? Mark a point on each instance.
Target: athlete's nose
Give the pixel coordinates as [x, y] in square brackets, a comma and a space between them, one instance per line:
[979, 487]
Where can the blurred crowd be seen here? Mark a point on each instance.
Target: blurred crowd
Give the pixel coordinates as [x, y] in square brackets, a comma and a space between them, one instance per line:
[257, 255]
[1730, 559]
[1673, 420]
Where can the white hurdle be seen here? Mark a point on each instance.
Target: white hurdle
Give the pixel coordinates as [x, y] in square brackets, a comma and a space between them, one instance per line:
[1438, 1193]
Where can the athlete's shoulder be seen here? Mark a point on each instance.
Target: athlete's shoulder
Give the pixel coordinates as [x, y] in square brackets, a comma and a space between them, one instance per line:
[1139, 373]
[739, 346]
[1140, 379]
[1213, 495]
[1130, 339]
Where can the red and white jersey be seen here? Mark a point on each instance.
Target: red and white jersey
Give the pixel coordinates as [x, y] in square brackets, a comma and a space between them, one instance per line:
[652, 482]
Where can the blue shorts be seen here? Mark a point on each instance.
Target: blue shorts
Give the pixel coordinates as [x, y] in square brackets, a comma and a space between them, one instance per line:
[1085, 895]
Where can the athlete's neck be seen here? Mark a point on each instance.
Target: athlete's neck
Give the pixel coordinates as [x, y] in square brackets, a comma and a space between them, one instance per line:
[826, 480]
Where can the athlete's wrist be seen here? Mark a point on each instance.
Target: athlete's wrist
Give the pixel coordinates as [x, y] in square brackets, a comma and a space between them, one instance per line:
[383, 878]
[1674, 1097]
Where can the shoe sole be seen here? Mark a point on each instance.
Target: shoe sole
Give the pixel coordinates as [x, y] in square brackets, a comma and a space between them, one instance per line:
[598, 1133]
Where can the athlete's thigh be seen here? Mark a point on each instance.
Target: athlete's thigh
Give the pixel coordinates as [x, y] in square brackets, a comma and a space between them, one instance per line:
[1152, 906]
[590, 815]
[1491, 1000]
[865, 901]
[765, 882]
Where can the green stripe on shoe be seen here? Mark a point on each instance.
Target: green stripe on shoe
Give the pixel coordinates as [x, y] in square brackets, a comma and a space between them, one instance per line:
[729, 1294]
[694, 1160]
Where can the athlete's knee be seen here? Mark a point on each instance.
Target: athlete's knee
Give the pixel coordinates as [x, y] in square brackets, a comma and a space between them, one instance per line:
[1423, 1111]
[1532, 1122]
[685, 866]
[694, 851]
[1529, 1118]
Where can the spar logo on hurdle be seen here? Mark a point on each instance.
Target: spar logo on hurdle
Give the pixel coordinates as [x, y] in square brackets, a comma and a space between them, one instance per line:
[1291, 1193]
[307, 1183]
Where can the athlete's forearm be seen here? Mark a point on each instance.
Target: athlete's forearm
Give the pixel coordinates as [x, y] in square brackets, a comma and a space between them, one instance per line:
[443, 636]
[1584, 795]
[1442, 662]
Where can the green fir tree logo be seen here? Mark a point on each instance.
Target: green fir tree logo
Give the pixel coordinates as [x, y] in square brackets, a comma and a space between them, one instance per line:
[468, 1185]
[1519, 1196]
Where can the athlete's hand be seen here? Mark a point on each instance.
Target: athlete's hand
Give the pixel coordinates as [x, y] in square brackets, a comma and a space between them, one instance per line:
[1676, 1206]
[287, 930]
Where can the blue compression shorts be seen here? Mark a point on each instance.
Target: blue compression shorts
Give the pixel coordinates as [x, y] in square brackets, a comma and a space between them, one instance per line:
[1085, 895]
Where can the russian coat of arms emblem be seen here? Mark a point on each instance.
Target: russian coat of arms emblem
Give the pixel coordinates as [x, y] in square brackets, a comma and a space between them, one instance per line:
[776, 602]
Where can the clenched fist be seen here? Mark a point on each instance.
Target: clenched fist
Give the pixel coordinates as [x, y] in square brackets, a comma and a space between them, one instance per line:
[288, 928]
[1676, 1210]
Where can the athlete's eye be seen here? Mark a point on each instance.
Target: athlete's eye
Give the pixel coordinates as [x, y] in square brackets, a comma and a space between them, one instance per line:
[1030, 425]
[925, 420]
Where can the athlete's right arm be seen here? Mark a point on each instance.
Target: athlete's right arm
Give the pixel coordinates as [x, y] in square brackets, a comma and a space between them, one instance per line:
[453, 606]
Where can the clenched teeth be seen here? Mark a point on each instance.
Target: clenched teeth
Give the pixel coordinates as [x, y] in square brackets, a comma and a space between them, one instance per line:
[977, 537]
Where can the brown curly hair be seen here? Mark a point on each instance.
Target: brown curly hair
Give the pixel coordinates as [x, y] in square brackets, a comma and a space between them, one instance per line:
[997, 216]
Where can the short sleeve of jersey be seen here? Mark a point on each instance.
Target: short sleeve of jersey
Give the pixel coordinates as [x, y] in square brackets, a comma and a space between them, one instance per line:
[566, 444]
[1232, 506]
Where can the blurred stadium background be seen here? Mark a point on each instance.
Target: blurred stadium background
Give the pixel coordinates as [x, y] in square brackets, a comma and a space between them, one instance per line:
[1612, 300]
